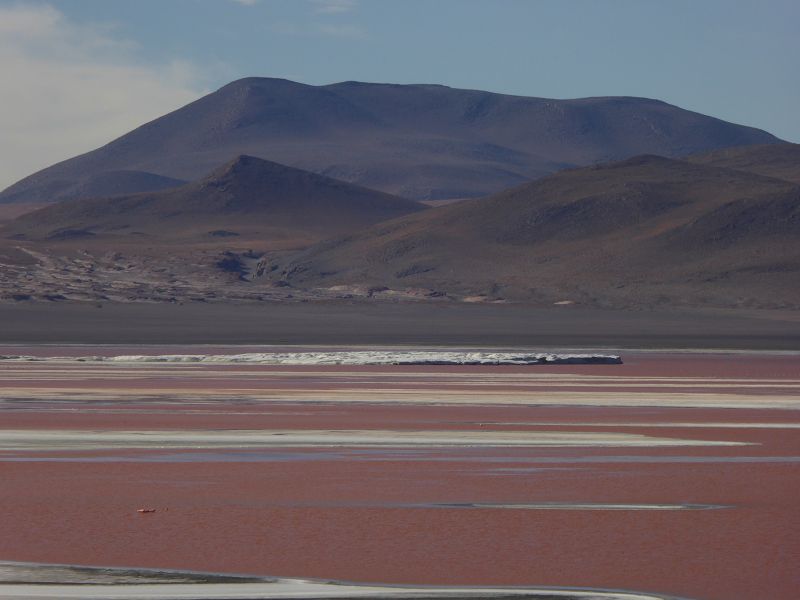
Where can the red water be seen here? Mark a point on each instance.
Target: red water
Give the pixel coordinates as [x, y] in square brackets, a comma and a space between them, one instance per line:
[334, 514]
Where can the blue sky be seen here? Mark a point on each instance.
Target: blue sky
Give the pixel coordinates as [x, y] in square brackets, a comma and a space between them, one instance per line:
[732, 59]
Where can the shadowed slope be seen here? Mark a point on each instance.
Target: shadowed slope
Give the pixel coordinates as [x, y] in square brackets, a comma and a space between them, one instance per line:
[248, 195]
[104, 183]
[418, 141]
[781, 161]
[644, 231]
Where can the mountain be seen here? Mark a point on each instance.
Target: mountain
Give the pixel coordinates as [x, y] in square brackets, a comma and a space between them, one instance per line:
[426, 142]
[781, 161]
[94, 185]
[246, 197]
[637, 233]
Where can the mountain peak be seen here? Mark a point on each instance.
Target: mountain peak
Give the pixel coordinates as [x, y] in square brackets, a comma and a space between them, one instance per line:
[252, 173]
[247, 82]
[247, 195]
[241, 163]
[421, 141]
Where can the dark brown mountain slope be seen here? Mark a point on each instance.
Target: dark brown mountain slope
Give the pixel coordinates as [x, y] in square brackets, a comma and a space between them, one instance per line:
[247, 197]
[781, 161]
[102, 184]
[418, 141]
[641, 232]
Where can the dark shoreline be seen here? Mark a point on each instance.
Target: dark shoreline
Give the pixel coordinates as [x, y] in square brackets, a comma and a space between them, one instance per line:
[398, 324]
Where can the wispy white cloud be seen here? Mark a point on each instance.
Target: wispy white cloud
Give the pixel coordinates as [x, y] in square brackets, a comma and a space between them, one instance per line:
[331, 7]
[246, 2]
[68, 88]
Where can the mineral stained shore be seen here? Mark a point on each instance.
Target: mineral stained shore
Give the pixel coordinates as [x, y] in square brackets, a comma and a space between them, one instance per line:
[669, 476]
[57, 582]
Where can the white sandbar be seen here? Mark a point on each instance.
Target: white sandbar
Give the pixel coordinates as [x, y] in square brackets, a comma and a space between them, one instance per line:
[33, 440]
[358, 357]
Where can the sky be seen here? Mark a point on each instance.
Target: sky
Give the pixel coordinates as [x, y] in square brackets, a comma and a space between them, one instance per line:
[75, 74]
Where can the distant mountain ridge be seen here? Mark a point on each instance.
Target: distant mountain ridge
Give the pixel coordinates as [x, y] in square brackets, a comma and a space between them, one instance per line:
[247, 195]
[416, 141]
[646, 231]
[781, 161]
[641, 233]
[102, 184]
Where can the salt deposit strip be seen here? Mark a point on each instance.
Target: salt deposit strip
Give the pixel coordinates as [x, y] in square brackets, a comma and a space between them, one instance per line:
[646, 424]
[286, 588]
[359, 357]
[79, 370]
[44, 582]
[431, 396]
[64, 440]
[577, 506]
